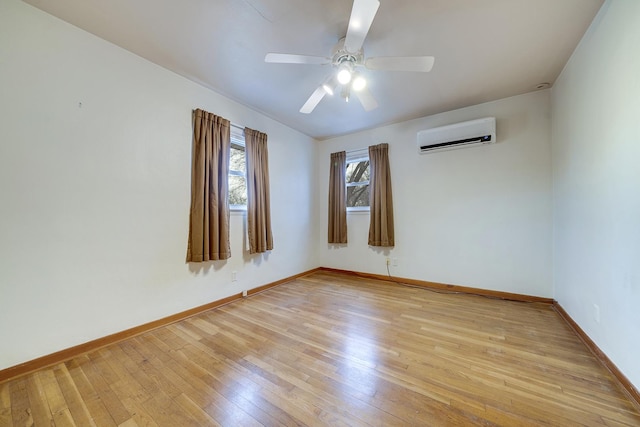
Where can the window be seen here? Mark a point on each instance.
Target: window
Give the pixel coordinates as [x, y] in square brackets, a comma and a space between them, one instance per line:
[357, 178]
[237, 171]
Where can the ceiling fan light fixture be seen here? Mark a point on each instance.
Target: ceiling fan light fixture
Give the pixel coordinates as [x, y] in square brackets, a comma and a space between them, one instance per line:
[359, 83]
[327, 89]
[346, 93]
[344, 74]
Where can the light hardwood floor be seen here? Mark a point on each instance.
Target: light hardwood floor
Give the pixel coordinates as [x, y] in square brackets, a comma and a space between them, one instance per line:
[333, 349]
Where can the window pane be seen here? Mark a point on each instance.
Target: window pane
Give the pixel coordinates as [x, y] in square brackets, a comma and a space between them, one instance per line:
[358, 172]
[237, 190]
[237, 171]
[237, 160]
[358, 195]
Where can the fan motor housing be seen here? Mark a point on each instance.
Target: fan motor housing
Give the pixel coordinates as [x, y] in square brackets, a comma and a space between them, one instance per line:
[341, 55]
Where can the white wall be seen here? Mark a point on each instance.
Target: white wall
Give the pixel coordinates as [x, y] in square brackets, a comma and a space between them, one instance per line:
[94, 200]
[596, 184]
[478, 217]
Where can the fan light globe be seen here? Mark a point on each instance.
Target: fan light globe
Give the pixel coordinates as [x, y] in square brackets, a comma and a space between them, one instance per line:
[344, 76]
[359, 83]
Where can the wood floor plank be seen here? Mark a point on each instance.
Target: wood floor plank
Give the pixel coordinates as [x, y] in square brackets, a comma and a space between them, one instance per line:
[334, 349]
[200, 417]
[242, 395]
[5, 405]
[127, 386]
[129, 423]
[114, 406]
[55, 398]
[38, 404]
[77, 408]
[198, 385]
[139, 415]
[97, 409]
[326, 401]
[20, 405]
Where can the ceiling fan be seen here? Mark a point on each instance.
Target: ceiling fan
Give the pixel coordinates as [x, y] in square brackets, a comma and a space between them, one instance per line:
[347, 56]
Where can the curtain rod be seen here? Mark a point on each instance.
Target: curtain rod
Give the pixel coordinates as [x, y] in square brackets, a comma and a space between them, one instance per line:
[232, 124]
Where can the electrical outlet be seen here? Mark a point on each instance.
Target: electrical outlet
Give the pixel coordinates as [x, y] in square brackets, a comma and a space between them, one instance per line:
[388, 261]
[395, 262]
[596, 313]
[234, 276]
[244, 293]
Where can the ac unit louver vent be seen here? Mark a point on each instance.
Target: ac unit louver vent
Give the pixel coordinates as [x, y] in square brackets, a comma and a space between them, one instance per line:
[459, 135]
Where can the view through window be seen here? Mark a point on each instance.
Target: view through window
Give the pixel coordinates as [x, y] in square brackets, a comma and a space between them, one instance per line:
[357, 178]
[237, 170]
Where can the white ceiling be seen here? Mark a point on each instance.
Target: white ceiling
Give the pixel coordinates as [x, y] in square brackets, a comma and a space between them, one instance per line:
[484, 49]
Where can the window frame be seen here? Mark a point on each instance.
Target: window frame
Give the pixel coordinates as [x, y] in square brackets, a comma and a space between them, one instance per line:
[237, 139]
[357, 156]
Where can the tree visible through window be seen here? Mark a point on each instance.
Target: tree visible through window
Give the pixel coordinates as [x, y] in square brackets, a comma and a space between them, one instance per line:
[237, 172]
[357, 178]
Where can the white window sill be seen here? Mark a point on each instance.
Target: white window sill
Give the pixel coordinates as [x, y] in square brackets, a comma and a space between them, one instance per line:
[359, 210]
[238, 209]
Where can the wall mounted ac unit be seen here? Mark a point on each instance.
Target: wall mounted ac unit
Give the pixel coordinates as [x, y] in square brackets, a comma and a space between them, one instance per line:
[465, 134]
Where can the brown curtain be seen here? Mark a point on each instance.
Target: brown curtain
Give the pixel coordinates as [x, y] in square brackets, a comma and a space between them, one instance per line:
[258, 205]
[209, 217]
[381, 200]
[338, 198]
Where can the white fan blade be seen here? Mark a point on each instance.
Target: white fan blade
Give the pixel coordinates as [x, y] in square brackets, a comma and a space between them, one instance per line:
[313, 100]
[362, 16]
[401, 63]
[366, 99]
[330, 84]
[287, 58]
